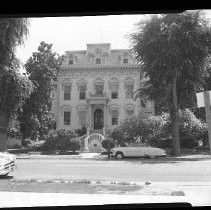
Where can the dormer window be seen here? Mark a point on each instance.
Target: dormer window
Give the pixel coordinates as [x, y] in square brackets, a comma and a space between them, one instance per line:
[98, 61]
[125, 60]
[71, 62]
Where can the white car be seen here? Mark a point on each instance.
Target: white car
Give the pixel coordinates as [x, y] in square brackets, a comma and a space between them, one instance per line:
[137, 150]
[7, 163]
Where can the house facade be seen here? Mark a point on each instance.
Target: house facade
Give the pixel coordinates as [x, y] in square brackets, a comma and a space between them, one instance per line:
[95, 89]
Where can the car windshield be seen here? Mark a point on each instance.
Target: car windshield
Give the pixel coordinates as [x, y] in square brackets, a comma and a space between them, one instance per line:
[138, 145]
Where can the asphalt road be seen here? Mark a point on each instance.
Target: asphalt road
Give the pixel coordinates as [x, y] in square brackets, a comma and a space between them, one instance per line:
[114, 170]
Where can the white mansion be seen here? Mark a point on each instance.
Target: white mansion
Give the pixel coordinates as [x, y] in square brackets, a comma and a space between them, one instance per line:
[95, 89]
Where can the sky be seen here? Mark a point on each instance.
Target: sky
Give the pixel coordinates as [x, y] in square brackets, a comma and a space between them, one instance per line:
[73, 33]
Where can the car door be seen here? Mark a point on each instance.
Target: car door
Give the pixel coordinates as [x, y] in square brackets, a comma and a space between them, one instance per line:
[130, 150]
[140, 151]
[136, 150]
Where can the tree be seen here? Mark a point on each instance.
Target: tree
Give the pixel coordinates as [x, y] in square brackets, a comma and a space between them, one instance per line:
[74, 145]
[42, 68]
[172, 50]
[108, 144]
[14, 87]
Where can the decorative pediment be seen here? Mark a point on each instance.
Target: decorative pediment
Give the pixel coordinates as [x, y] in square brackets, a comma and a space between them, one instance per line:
[66, 107]
[114, 83]
[82, 107]
[129, 106]
[99, 81]
[81, 82]
[66, 82]
[128, 81]
[98, 51]
[114, 107]
[125, 54]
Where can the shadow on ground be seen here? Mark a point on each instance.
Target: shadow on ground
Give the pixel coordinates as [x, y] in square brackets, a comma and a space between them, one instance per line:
[6, 177]
[169, 159]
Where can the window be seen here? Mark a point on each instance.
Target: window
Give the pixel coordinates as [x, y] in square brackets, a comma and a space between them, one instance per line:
[98, 61]
[66, 118]
[129, 91]
[125, 60]
[71, 62]
[67, 92]
[99, 89]
[114, 95]
[82, 94]
[129, 112]
[114, 118]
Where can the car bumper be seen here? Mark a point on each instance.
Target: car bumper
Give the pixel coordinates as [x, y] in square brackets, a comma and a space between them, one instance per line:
[163, 155]
[7, 169]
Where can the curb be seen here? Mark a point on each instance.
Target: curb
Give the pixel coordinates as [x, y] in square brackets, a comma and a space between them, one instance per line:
[45, 157]
[142, 183]
[94, 182]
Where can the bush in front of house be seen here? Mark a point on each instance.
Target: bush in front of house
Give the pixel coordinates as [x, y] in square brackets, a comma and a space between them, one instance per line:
[81, 131]
[73, 145]
[156, 130]
[59, 140]
[107, 144]
[133, 127]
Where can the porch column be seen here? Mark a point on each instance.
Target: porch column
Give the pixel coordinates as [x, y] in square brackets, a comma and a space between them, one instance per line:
[86, 148]
[105, 120]
[90, 116]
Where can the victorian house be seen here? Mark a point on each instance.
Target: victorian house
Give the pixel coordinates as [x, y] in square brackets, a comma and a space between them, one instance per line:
[95, 89]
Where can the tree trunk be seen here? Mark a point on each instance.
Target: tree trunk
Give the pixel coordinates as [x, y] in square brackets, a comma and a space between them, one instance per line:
[3, 133]
[174, 114]
[109, 153]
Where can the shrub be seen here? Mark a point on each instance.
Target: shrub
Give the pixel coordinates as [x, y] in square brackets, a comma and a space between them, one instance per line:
[73, 145]
[81, 131]
[107, 144]
[58, 140]
[156, 130]
[33, 145]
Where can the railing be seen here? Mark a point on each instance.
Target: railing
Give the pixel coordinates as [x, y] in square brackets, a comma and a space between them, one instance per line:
[92, 137]
[95, 136]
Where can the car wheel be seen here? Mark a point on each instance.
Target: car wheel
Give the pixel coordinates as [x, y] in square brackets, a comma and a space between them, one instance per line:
[3, 176]
[119, 155]
[147, 156]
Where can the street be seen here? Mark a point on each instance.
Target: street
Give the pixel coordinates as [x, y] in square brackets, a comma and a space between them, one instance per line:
[158, 170]
[133, 180]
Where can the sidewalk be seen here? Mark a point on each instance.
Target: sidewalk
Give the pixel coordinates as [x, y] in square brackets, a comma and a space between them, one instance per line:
[196, 195]
[98, 156]
[80, 156]
[22, 199]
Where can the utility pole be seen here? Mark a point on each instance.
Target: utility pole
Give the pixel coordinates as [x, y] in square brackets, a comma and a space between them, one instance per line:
[208, 115]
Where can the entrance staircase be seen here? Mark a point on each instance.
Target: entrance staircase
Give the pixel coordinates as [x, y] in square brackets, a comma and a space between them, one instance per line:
[100, 131]
[92, 143]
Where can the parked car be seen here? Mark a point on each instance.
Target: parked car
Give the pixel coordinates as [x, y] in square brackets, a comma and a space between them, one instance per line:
[7, 163]
[137, 150]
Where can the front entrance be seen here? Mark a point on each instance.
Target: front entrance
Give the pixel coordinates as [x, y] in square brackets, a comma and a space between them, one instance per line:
[98, 119]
